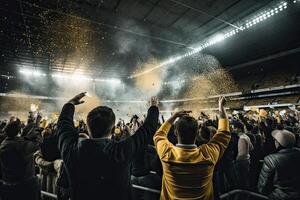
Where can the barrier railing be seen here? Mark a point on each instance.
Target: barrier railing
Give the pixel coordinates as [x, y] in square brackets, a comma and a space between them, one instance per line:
[47, 194]
[146, 189]
[239, 191]
[222, 196]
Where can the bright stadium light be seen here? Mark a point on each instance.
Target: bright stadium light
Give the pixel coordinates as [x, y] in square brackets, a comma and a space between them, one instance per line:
[25, 71]
[38, 73]
[82, 77]
[76, 76]
[243, 25]
[110, 80]
[59, 75]
[32, 72]
[217, 38]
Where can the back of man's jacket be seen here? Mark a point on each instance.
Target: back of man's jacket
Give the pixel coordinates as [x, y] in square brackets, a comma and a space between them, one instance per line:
[280, 177]
[16, 157]
[188, 172]
[100, 168]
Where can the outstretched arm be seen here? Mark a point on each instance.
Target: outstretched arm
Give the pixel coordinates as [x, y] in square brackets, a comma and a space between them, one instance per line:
[219, 142]
[128, 148]
[67, 134]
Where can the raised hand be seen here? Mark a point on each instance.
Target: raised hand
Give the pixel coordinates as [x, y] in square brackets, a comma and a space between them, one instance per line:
[178, 114]
[38, 119]
[154, 101]
[222, 111]
[182, 113]
[77, 99]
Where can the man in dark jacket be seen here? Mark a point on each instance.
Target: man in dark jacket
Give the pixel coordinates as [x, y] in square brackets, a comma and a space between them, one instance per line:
[99, 168]
[280, 177]
[18, 171]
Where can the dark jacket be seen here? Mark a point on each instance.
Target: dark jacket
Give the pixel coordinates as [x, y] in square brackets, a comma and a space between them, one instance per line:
[16, 157]
[49, 148]
[100, 168]
[141, 164]
[280, 177]
[230, 153]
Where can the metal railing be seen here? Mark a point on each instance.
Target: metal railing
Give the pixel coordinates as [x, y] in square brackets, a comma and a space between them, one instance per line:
[239, 191]
[222, 196]
[47, 194]
[146, 189]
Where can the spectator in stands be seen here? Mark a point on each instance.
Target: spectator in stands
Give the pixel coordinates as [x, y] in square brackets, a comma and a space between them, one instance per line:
[188, 169]
[255, 156]
[48, 162]
[267, 125]
[99, 168]
[2, 132]
[16, 158]
[226, 177]
[280, 177]
[242, 163]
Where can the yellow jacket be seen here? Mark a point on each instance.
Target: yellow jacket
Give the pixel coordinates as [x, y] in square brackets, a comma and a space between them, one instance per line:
[188, 172]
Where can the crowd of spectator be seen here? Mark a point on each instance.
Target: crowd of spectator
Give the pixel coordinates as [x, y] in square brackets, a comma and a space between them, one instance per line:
[183, 157]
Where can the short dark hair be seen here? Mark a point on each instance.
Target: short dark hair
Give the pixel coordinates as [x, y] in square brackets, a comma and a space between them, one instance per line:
[13, 128]
[238, 125]
[249, 127]
[100, 121]
[187, 129]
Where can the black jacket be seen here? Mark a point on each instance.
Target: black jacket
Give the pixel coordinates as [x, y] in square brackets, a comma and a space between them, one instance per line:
[16, 158]
[280, 177]
[100, 168]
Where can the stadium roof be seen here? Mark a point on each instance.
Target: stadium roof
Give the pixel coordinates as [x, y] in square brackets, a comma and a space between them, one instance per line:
[109, 38]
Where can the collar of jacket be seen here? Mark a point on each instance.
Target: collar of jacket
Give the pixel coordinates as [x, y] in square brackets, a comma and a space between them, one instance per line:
[186, 146]
[286, 150]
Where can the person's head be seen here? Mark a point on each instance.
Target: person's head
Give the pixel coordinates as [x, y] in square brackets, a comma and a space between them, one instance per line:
[238, 126]
[13, 128]
[100, 122]
[283, 138]
[255, 130]
[249, 127]
[186, 129]
[2, 125]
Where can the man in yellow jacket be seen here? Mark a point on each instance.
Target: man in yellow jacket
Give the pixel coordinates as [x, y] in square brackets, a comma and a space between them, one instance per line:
[188, 169]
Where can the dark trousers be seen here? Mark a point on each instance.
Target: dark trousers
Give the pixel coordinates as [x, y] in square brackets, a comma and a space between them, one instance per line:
[243, 173]
[226, 177]
[243, 177]
[28, 189]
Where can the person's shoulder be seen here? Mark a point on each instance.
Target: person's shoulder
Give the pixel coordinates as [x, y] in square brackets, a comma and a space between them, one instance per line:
[90, 143]
[243, 136]
[272, 159]
[9, 143]
[85, 142]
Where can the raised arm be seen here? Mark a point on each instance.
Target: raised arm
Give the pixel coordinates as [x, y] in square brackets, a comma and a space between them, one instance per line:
[142, 136]
[219, 142]
[161, 141]
[67, 134]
